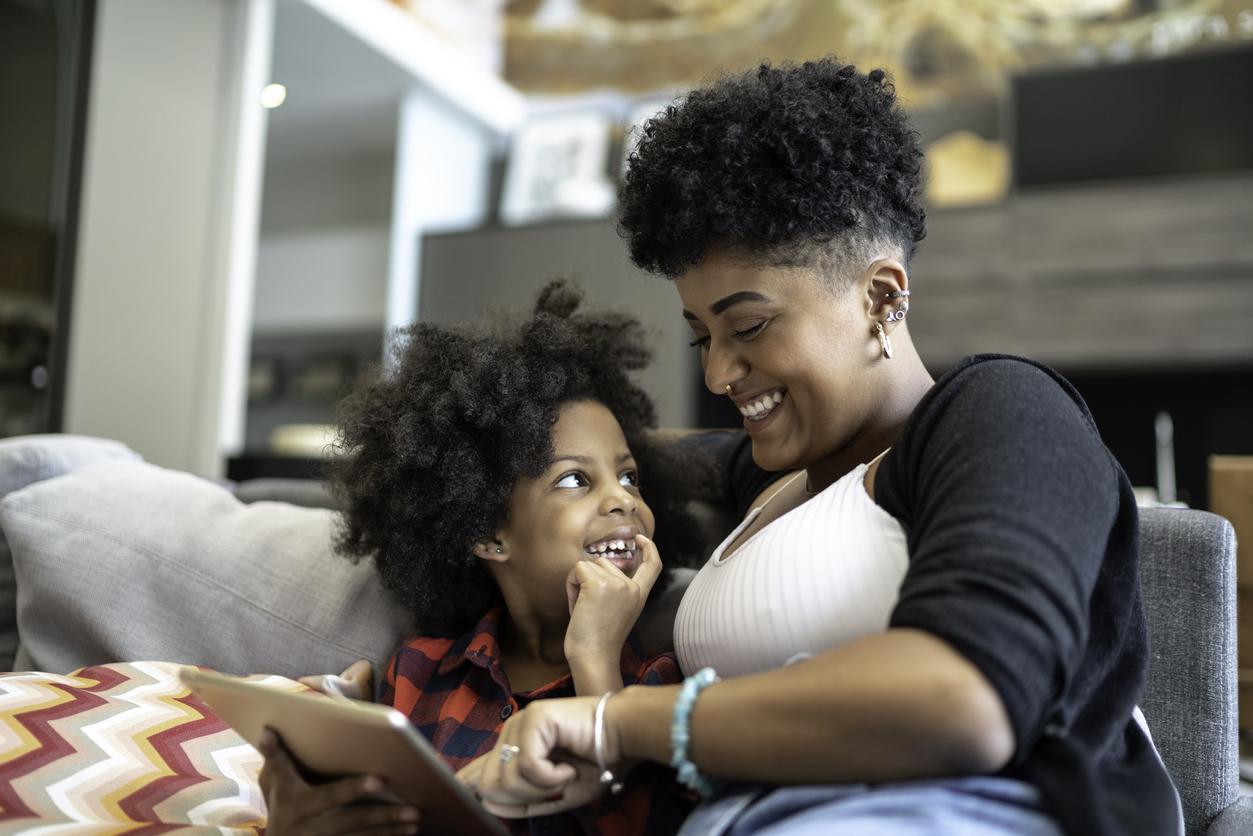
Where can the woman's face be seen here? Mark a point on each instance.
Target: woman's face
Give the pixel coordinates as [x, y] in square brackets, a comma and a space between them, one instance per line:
[585, 506]
[799, 356]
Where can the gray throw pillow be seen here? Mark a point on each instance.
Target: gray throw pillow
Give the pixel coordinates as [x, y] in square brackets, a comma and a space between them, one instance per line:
[125, 561]
[25, 460]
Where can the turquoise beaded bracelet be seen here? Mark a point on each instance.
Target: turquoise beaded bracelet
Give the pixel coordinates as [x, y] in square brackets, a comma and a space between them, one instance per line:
[680, 733]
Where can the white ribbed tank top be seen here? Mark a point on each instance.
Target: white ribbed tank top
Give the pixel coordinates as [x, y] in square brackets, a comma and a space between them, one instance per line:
[825, 573]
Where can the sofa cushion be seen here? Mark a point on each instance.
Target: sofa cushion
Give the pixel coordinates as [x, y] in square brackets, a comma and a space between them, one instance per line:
[25, 460]
[124, 560]
[113, 748]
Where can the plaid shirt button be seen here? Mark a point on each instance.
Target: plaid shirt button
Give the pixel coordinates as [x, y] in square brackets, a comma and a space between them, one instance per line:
[505, 712]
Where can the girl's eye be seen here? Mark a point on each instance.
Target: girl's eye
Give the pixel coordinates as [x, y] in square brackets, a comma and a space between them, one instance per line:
[700, 342]
[748, 332]
[629, 479]
[572, 480]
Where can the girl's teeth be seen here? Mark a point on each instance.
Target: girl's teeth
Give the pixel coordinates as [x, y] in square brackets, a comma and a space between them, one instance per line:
[612, 546]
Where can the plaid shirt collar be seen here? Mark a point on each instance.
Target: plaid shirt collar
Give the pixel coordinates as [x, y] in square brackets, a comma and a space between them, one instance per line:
[481, 647]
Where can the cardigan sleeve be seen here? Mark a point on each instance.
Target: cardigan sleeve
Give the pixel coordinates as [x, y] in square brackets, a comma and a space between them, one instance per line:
[1008, 498]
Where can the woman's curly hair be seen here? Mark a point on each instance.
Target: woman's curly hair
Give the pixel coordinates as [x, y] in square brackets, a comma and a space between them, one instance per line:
[777, 163]
[433, 444]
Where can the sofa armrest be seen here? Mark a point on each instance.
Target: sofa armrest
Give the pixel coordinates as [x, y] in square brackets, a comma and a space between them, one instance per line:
[1236, 820]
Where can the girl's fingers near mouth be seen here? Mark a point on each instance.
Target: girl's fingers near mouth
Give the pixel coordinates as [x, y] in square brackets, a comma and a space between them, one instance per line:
[650, 562]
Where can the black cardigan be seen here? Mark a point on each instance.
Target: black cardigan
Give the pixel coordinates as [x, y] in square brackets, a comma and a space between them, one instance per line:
[1023, 540]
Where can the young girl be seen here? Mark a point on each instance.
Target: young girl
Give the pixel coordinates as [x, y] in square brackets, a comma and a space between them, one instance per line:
[492, 476]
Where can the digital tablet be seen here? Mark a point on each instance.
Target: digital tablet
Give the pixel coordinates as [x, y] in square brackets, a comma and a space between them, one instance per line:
[333, 738]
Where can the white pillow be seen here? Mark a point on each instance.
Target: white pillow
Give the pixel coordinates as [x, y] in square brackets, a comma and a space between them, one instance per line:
[119, 561]
[27, 459]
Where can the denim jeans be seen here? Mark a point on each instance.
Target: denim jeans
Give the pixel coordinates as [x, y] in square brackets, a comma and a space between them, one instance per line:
[967, 806]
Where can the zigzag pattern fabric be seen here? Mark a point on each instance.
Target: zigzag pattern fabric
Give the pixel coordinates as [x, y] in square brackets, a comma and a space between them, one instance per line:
[123, 748]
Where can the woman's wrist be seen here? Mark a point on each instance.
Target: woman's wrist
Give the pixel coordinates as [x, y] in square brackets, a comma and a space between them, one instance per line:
[637, 723]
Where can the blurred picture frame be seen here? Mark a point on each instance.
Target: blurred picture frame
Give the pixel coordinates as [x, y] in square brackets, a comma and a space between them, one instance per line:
[557, 168]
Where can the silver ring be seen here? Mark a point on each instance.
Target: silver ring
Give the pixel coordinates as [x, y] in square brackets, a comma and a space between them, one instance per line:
[507, 752]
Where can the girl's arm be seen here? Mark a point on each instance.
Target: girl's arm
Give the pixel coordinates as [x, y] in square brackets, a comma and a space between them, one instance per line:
[604, 606]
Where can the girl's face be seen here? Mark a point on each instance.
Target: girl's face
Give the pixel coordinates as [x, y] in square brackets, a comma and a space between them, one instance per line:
[585, 506]
[799, 356]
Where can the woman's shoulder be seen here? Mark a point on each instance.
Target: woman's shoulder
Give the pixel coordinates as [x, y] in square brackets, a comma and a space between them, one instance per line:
[999, 418]
[999, 375]
[986, 390]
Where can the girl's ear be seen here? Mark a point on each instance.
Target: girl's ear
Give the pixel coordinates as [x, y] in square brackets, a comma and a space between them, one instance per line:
[492, 550]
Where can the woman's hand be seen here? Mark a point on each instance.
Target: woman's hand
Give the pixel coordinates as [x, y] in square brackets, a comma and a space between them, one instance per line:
[555, 768]
[604, 606]
[297, 807]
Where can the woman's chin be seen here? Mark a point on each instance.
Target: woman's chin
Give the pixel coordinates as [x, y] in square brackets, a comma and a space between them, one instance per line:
[772, 456]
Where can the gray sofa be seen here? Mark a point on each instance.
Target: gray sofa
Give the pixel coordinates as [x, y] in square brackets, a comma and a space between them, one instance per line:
[106, 558]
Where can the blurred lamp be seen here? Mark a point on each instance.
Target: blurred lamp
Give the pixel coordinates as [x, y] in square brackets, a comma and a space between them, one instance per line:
[273, 95]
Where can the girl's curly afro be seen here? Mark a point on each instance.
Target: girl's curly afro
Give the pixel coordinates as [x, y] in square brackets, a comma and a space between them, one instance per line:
[777, 163]
[433, 444]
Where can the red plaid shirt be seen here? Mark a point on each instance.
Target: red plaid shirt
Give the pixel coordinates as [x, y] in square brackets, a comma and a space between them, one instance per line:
[456, 693]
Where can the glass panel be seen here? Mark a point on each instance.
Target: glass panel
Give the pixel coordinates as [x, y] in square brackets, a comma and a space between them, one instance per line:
[39, 54]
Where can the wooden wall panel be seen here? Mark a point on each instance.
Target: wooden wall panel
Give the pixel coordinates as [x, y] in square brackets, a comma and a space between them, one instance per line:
[1136, 275]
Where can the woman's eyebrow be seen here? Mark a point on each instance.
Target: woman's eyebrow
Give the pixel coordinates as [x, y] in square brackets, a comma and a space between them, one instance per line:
[727, 301]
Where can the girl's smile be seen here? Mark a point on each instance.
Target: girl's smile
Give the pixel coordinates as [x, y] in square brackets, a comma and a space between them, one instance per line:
[586, 506]
[619, 546]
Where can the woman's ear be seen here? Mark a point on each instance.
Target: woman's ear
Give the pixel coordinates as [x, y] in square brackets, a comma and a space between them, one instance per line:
[887, 292]
[492, 550]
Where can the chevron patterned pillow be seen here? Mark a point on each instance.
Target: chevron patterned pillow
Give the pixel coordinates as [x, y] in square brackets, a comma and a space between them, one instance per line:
[116, 744]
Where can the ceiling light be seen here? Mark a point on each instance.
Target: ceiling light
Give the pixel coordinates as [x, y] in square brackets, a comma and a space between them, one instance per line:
[273, 95]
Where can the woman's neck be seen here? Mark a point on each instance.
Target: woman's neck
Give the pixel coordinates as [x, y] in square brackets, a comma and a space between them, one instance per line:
[903, 387]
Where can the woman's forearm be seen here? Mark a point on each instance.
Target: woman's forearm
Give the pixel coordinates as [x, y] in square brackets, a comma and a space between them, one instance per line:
[898, 705]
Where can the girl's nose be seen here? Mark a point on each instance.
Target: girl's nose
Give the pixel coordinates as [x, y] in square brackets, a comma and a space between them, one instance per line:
[618, 500]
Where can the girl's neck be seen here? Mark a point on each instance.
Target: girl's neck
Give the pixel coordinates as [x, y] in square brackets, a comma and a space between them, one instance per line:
[532, 649]
[525, 634]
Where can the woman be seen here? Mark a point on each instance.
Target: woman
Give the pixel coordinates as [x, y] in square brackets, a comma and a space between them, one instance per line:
[491, 475]
[982, 673]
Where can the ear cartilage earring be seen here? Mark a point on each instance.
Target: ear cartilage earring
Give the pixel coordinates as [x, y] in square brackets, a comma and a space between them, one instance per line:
[900, 313]
[885, 344]
[500, 551]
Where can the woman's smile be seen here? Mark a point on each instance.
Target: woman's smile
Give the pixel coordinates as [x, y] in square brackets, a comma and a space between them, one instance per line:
[758, 408]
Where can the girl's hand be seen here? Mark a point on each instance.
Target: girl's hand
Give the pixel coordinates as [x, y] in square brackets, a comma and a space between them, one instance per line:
[297, 807]
[604, 606]
[555, 769]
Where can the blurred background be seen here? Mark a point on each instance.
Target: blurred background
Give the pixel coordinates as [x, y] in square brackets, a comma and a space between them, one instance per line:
[212, 211]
